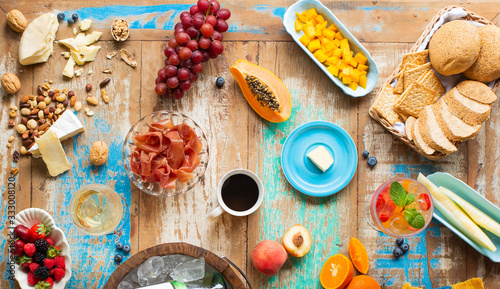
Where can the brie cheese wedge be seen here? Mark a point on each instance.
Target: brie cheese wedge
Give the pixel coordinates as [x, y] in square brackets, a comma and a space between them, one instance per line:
[52, 153]
[37, 41]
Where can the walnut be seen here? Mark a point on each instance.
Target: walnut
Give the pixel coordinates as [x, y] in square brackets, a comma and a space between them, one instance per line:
[11, 83]
[120, 30]
[99, 153]
[16, 20]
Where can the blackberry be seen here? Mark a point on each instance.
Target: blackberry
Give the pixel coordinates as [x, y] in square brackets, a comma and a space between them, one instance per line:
[42, 273]
[42, 246]
[39, 258]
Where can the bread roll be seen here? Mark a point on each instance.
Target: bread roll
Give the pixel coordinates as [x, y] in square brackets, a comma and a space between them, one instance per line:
[454, 47]
[487, 66]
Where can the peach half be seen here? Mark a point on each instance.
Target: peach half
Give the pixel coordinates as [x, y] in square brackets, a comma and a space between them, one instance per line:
[297, 240]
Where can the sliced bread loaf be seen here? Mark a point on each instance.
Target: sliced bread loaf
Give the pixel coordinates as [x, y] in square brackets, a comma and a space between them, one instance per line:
[419, 141]
[453, 127]
[409, 127]
[432, 134]
[477, 91]
[468, 110]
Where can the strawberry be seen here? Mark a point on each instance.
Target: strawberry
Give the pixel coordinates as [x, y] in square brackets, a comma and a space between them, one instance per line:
[32, 280]
[29, 249]
[49, 263]
[24, 261]
[425, 202]
[59, 274]
[53, 252]
[46, 284]
[33, 266]
[39, 231]
[51, 242]
[59, 262]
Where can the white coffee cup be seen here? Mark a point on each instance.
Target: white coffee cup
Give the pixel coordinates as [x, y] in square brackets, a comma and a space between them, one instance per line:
[224, 208]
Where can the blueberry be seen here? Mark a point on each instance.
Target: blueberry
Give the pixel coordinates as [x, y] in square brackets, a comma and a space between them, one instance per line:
[219, 82]
[126, 249]
[119, 246]
[60, 16]
[405, 247]
[365, 154]
[118, 258]
[372, 161]
[397, 252]
[74, 16]
[400, 241]
[71, 21]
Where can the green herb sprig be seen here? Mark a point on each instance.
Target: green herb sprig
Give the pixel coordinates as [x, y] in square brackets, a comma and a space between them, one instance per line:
[402, 199]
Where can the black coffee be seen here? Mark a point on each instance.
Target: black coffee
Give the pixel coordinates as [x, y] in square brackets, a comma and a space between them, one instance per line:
[240, 192]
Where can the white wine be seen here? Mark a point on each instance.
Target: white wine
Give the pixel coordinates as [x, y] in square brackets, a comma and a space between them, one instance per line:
[96, 209]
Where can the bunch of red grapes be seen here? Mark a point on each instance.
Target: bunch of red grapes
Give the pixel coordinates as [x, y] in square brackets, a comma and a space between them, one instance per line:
[197, 38]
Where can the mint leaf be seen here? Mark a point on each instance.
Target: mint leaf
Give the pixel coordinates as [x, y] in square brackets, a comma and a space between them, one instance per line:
[414, 218]
[398, 194]
[409, 199]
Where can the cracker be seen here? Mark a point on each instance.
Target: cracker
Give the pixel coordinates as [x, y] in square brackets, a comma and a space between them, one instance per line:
[414, 74]
[400, 76]
[430, 80]
[419, 58]
[414, 99]
[383, 105]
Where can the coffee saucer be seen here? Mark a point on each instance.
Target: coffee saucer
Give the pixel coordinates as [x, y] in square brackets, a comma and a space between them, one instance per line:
[303, 174]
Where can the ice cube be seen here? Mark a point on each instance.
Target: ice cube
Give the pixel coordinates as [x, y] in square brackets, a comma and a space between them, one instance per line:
[151, 271]
[125, 285]
[171, 261]
[189, 271]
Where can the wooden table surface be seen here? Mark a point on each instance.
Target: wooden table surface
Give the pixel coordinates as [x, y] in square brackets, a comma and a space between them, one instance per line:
[239, 138]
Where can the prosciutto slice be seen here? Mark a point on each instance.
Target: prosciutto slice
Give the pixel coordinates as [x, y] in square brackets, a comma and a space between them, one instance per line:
[166, 154]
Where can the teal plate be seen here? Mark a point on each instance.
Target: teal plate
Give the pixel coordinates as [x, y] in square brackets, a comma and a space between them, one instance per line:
[474, 198]
[303, 174]
[289, 23]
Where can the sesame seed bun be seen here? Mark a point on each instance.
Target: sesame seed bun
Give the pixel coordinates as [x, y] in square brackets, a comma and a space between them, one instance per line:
[487, 66]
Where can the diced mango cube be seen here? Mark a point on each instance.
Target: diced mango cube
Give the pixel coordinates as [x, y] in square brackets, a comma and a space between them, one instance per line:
[320, 18]
[311, 13]
[323, 25]
[346, 55]
[330, 34]
[341, 75]
[337, 42]
[314, 22]
[330, 46]
[333, 28]
[346, 79]
[362, 81]
[304, 39]
[309, 31]
[301, 17]
[353, 63]
[329, 53]
[362, 67]
[298, 25]
[360, 58]
[318, 31]
[345, 71]
[355, 75]
[324, 41]
[339, 36]
[362, 72]
[338, 52]
[333, 70]
[320, 55]
[314, 45]
[344, 44]
[353, 85]
[333, 60]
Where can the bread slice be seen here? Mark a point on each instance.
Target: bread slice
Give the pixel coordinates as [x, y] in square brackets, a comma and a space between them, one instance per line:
[468, 110]
[419, 141]
[410, 122]
[432, 134]
[477, 91]
[383, 105]
[453, 127]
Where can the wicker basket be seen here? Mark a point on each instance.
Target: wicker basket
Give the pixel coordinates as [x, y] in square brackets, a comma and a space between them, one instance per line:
[437, 155]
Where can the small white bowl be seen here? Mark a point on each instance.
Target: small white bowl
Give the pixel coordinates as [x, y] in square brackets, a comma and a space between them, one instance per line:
[30, 217]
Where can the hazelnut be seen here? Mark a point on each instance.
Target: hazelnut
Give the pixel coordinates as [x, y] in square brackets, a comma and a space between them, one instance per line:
[16, 20]
[11, 83]
[99, 153]
[88, 87]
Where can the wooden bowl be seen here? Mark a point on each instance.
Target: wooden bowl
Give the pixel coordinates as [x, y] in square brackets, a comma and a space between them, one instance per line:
[211, 259]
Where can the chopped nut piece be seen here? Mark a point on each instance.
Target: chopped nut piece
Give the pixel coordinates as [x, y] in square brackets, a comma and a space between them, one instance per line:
[104, 95]
[50, 81]
[128, 58]
[21, 128]
[111, 54]
[107, 70]
[23, 152]
[46, 86]
[14, 171]
[13, 114]
[78, 106]
[90, 113]
[32, 124]
[11, 138]
[92, 100]
[8, 145]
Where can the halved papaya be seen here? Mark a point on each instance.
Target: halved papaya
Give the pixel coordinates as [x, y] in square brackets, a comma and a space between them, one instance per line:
[263, 90]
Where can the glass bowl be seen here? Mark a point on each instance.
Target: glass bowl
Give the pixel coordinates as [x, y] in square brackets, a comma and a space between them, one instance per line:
[142, 126]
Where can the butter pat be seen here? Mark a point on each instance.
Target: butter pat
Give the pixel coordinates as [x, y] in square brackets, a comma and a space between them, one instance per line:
[321, 158]
[37, 41]
[66, 126]
[52, 153]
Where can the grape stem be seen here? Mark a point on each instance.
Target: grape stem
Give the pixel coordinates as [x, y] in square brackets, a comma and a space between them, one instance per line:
[208, 11]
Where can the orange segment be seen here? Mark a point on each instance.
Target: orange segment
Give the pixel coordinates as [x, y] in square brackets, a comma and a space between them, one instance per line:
[363, 282]
[358, 255]
[337, 272]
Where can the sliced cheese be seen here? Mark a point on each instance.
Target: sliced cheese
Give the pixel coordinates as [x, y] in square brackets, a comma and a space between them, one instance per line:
[72, 43]
[77, 57]
[69, 68]
[52, 153]
[66, 126]
[92, 37]
[85, 24]
[37, 40]
[89, 52]
[80, 37]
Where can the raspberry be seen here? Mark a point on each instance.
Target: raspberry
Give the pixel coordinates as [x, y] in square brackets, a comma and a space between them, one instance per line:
[33, 266]
[42, 273]
[42, 246]
[50, 281]
[39, 258]
[59, 262]
[29, 249]
[51, 242]
[32, 280]
[59, 274]
[49, 263]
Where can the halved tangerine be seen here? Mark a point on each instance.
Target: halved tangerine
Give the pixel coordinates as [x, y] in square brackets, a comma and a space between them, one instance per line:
[358, 255]
[337, 272]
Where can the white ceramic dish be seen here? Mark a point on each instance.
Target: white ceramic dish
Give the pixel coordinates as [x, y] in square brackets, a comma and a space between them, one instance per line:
[30, 217]
[289, 23]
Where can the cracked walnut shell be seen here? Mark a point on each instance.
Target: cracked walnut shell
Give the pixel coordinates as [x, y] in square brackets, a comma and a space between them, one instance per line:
[99, 153]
